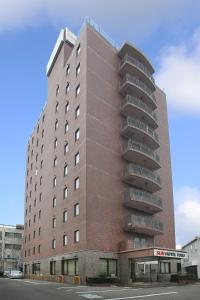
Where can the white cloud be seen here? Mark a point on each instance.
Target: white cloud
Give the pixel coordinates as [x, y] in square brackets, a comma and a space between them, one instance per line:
[187, 214]
[136, 18]
[179, 75]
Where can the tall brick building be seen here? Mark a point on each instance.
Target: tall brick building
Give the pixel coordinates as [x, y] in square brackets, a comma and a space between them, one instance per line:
[98, 186]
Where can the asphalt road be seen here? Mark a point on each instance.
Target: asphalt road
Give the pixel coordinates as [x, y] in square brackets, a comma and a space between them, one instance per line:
[38, 290]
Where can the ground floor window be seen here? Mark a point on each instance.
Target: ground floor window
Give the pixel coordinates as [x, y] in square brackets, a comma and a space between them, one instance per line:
[108, 267]
[36, 268]
[165, 267]
[27, 269]
[70, 267]
[52, 267]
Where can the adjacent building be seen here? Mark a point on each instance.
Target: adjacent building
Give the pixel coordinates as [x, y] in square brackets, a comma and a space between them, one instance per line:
[11, 240]
[98, 180]
[191, 264]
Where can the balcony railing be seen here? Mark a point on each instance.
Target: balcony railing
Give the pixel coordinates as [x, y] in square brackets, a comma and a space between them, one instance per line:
[140, 84]
[133, 145]
[141, 196]
[143, 223]
[139, 103]
[143, 172]
[138, 64]
[136, 123]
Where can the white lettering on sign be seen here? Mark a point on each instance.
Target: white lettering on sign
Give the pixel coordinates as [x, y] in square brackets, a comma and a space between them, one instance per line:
[169, 253]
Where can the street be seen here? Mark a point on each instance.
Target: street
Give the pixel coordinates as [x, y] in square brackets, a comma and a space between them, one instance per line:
[24, 289]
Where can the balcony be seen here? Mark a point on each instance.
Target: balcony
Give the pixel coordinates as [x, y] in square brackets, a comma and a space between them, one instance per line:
[141, 178]
[134, 67]
[143, 224]
[141, 132]
[136, 108]
[129, 49]
[141, 154]
[130, 85]
[140, 200]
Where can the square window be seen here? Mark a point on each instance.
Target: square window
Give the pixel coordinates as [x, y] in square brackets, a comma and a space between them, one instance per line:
[53, 222]
[54, 202]
[65, 240]
[76, 209]
[77, 158]
[78, 89]
[66, 148]
[54, 182]
[77, 112]
[76, 236]
[64, 216]
[53, 244]
[78, 69]
[78, 50]
[65, 170]
[68, 69]
[77, 134]
[65, 193]
[77, 183]
[66, 127]
[67, 107]
[67, 88]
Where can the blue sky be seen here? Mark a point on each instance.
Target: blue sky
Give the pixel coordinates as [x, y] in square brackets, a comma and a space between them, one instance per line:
[168, 32]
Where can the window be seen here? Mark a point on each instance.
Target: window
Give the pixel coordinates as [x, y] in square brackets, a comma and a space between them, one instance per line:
[65, 240]
[77, 112]
[33, 250]
[31, 179]
[40, 180]
[34, 202]
[66, 148]
[68, 69]
[108, 267]
[78, 50]
[67, 107]
[55, 162]
[55, 143]
[36, 172]
[57, 90]
[32, 139]
[40, 214]
[76, 236]
[28, 159]
[26, 215]
[36, 158]
[31, 166]
[40, 197]
[53, 244]
[76, 209]
[56, 125]
[77, 134]
[43, 118]
[65, 193]
[30, 193]
[41, 164]
[54, 182]
[31, 152]
[78, 89]
[65, 170]
[64, 216]
[76, 183]
[54, 202]
[28, 252]
[66, 127]
[57, 106]
[39, 248]
[34, 234]
[37, 142]
[77, 158]
[38, 128]
[53, 222]
[29, 237]
[67, 88]
[70, 267]
[42, 148]
[52, 267]
[39, 231]
[35, 187]
[42, 133]
[34, 219]
[78, 69]
[165, 268]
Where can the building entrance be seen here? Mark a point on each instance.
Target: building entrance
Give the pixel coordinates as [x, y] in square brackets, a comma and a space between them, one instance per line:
[144, 271]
